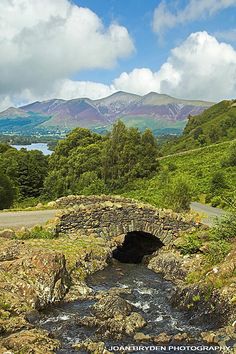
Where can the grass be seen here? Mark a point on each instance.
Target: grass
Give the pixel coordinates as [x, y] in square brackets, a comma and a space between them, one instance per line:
[197, 167]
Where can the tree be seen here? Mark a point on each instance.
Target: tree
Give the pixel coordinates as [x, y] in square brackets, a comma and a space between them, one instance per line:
[26, 169]
[87, 162]
[6, 192]
[128, 155]
[79, 153]
[31, 172]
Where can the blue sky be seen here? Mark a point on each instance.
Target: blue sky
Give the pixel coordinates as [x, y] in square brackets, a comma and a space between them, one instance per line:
[151, 52]
[93, 48]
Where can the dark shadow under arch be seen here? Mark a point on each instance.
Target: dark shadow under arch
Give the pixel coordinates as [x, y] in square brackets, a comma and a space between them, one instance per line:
[136, 245]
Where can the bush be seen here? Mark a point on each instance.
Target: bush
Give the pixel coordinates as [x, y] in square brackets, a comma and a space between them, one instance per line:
[190, 244]
[171, 167]
[216, 201]
[225, 228]
[217, 250]
[178, 196]
[231, 160]
[38, 232]
[218, 183]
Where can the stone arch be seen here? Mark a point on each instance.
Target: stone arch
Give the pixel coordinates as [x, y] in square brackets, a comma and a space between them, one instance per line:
[118, 216]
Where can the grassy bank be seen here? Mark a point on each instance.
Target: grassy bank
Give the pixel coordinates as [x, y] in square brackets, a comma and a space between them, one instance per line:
[199, 168]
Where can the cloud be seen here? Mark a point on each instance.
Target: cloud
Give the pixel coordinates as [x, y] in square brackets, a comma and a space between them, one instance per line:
[68, 89]
[45, 41]
[165, 19]
[200, 68]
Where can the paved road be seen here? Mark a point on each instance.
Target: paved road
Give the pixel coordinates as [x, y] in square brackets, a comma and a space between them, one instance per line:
[209, 213]
[15, 220]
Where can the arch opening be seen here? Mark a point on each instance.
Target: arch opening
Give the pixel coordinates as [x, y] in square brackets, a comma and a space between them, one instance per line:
[136, 245]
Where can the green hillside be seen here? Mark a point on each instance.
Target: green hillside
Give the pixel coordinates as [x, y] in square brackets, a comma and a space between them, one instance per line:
[158, 126]
[19, 124]
[215, 125]
[209, 172]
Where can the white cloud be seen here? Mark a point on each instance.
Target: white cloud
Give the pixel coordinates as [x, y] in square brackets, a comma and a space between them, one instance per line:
[68, 89]
[44, 41]
[165, 19]
[200, 68]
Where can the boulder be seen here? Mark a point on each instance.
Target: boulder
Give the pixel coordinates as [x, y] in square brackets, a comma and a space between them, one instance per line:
[7, 233]
[162, 338]
[92, 347]
[31, 341]
[111, 306]
[141, 337]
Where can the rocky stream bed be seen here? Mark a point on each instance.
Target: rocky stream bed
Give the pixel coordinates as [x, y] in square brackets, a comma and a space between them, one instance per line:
[69, 295]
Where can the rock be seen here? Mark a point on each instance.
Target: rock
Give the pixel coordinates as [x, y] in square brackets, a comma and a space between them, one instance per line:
[203, 306]
[112, 291]
[169, 263]
[111, 306]
[9, 251]
[7, 233]
[32, 341]
[180, 337]
[47, 276]
[32, 316]
[92, 347]
[162, 338]
[52, 204]
[141, 337]
[115, 327]
[133, 322]
[13, 324]
[39, 206]
[209, 337]
[81, 291]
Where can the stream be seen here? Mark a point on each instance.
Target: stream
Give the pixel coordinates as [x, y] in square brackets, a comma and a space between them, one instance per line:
[150, 295]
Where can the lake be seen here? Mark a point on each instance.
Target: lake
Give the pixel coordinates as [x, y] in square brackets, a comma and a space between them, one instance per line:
[35, 146]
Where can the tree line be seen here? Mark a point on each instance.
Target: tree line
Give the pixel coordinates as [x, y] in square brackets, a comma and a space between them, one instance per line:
[83, 163]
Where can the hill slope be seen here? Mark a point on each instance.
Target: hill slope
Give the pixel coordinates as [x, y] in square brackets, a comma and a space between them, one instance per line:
[161, 113]
[198, 167]
[214, 125]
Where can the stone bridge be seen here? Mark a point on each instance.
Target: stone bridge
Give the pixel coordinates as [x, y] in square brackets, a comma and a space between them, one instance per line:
[109, 217]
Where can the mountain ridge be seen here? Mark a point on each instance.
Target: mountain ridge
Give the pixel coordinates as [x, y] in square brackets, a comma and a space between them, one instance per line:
[153, 110]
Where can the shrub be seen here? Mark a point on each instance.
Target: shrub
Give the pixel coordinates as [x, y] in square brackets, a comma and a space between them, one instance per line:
[225, 228]
[218, 182]
[191, 243]
[38, 232]
[231, 160]
[178, 196]
[171, 167]
[217, 250]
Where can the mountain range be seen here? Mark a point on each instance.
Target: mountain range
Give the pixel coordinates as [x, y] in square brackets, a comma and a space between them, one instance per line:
[159, 112]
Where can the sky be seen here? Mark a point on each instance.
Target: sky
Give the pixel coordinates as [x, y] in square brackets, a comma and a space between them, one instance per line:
[93, 48]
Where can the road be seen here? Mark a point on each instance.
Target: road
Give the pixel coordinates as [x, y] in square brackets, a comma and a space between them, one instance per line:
[18, 219]
[209, 214]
